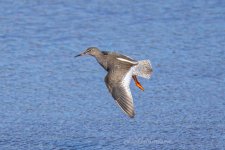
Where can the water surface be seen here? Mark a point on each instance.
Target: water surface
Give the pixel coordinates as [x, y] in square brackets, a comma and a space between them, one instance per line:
[50, 100]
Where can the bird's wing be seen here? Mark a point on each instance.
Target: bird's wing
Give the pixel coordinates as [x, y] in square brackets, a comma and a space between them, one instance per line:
[120, 90]
[122, 58]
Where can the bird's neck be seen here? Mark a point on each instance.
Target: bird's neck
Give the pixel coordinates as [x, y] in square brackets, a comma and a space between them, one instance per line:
[101, 60]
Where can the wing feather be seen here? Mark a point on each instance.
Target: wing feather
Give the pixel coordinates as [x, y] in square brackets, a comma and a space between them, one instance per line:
[120, 91]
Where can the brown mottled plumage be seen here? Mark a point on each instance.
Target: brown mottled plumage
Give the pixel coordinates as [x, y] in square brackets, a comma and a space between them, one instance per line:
[120, 69]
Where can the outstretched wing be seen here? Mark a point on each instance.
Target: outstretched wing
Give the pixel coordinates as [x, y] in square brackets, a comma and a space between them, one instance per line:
[119, 87]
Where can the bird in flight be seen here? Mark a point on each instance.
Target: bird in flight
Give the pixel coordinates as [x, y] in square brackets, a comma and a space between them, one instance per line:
[120, 70]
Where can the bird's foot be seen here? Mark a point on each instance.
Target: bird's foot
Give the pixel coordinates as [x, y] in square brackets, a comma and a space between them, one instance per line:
[138, 84]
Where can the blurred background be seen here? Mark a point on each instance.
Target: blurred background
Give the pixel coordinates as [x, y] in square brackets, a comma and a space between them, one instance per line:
[50, 100]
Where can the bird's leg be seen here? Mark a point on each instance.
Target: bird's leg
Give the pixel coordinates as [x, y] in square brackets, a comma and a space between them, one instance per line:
[138, 84]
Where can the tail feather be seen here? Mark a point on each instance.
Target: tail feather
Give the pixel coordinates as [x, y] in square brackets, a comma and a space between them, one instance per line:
[143, 69]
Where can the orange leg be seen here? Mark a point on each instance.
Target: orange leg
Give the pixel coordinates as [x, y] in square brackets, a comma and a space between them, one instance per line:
[138, 84]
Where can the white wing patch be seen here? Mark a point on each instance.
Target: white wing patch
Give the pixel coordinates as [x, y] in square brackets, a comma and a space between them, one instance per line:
[125, 100]
[125, 60]
[126, 83]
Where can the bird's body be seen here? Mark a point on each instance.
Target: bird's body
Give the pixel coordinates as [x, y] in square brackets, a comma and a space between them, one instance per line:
[120, 70]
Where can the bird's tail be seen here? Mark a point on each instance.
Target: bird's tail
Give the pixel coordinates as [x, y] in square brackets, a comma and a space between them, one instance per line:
[143, 69]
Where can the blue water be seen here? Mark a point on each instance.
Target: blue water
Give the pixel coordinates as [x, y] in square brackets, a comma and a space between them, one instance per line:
[50, 100]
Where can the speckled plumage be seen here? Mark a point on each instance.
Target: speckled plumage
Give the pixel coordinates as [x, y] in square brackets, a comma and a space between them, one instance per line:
[120, 70]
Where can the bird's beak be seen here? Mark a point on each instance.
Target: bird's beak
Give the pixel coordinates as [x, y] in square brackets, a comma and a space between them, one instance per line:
[80, 55]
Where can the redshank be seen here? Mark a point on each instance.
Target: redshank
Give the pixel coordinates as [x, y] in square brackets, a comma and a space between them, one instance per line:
[120, 70]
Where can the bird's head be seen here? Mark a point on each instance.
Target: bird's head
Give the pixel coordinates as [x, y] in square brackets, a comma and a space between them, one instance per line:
[93, 51]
